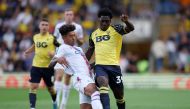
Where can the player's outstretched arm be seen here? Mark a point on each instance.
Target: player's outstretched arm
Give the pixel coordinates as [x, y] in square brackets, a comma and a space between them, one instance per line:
[89, 52]
[80, 41]
[60, 60]
[53, 62]
[29, 50]
[129, 26]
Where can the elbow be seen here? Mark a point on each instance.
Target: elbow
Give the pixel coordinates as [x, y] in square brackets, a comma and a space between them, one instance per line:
[132, 28]
[50, 66]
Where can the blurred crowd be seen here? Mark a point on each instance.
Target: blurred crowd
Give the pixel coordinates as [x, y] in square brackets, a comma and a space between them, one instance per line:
[19, 21]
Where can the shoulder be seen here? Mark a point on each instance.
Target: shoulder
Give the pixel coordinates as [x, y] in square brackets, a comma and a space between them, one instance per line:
[59, 25]
[95, 32]
[65, 47]
[35, 36]
[77, 26]
[117, 26]
[52, 36]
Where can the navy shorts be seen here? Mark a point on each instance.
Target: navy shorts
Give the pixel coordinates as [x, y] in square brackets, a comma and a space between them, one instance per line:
[113, 72]
[38, 73]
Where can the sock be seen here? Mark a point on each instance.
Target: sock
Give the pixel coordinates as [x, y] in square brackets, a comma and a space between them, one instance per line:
[65, 95]
[58, 88]
[53, 95]
[121, 103]
[104, 96]
[32, 99]
[95, 101]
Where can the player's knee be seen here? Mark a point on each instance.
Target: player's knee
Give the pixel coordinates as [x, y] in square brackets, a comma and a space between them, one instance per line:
[59, 78]
[90, 89]
[85, 106]
[102, 81]
[59, 75]
[34, 86]
[67, 79]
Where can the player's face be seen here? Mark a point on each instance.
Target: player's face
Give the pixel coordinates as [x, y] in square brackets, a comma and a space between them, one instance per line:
[44, 27]
[69, 16]
[104, 22]
[70, 38]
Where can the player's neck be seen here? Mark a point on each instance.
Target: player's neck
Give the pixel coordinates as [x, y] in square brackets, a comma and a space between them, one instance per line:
[43, 34]
[69, 23]
[67, 44]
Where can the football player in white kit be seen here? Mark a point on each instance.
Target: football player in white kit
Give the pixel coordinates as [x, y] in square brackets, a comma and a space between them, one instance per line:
[74, 61]
[59, 86]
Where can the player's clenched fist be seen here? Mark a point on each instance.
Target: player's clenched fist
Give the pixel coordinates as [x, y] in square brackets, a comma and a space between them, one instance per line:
[124, 18]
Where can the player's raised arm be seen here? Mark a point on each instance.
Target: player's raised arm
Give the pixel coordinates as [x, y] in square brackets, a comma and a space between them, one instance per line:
[90, 50]
[129, 26]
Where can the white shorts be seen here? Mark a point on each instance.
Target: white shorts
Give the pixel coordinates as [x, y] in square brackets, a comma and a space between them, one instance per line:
[59, 66]
[84, 98]
[79, 83]
[63, 67]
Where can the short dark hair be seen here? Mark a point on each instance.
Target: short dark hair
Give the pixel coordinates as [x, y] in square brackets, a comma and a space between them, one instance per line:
[105, 12]
[65, 29]
[44, 19]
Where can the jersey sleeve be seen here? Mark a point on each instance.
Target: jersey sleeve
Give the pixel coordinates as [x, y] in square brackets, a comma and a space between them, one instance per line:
[80, 32]
[91, 43]
[59, 52]
[56, 31]
[120, 29]
[55, 42]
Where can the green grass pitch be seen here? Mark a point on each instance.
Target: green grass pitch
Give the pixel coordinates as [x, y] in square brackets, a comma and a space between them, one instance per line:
[135, 99]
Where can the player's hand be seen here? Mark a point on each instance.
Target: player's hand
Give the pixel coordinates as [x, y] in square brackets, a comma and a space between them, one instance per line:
[124, 18]
[62, 60]
[51, 54]
[26, 54]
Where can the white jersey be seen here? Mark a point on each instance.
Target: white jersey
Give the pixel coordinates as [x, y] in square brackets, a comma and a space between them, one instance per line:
[78, 67]
[75, 58]
[78, 30]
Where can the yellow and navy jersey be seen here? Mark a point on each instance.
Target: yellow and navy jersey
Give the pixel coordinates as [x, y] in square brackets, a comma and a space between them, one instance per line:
[44, 44]
[107, 44]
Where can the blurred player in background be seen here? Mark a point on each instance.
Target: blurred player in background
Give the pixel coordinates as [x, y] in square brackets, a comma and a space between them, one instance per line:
[44, 47]
[78, 66]
[106, 42]
[59, 86]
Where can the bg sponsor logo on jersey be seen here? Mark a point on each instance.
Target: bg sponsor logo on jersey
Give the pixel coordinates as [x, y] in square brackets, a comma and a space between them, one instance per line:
[102, 38]
[41, 44]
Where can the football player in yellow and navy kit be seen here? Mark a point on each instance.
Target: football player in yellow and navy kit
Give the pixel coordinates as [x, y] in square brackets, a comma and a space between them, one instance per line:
[106, 42]
[44, 47]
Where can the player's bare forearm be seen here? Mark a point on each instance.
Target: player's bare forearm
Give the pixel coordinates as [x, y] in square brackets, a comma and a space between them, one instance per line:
[80, 42]
[53, 62]
[129, 26]
[30, 50]
[89, 53]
